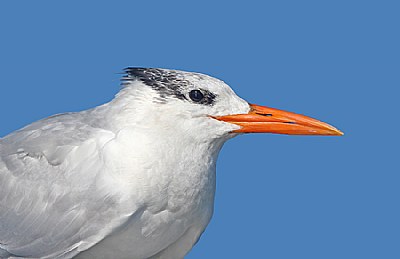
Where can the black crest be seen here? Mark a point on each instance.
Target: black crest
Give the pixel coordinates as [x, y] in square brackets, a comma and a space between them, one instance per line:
[166, 82]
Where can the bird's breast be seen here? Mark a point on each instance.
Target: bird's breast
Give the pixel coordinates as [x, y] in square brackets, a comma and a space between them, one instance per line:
[169, 186]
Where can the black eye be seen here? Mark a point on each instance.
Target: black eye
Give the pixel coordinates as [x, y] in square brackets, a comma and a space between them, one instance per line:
[196, 95]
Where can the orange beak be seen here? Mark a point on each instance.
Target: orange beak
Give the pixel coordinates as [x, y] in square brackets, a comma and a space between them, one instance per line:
[262, 119]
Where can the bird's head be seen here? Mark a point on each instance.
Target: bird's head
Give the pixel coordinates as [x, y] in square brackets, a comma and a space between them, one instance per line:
[205, 107]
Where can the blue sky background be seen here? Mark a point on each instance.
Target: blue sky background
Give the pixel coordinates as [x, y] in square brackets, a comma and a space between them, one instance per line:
[278, 197]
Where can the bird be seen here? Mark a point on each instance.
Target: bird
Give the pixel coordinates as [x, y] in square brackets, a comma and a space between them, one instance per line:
[131, 178]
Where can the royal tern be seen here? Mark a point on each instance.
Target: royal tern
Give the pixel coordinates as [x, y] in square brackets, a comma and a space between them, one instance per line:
[133, 178]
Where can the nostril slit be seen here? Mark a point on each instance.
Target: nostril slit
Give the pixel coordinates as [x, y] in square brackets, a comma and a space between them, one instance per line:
[265, 114]
[290, 122]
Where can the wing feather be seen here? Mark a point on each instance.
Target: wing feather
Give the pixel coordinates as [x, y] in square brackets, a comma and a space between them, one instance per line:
[49, 204]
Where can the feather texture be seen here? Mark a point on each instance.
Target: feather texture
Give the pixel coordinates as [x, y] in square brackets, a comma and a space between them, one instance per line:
[133, 178]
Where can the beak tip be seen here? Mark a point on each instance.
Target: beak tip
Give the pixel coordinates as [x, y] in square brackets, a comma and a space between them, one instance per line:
[335, 131]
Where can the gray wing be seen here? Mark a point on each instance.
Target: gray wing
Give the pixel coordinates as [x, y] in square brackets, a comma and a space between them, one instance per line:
[51, 205]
